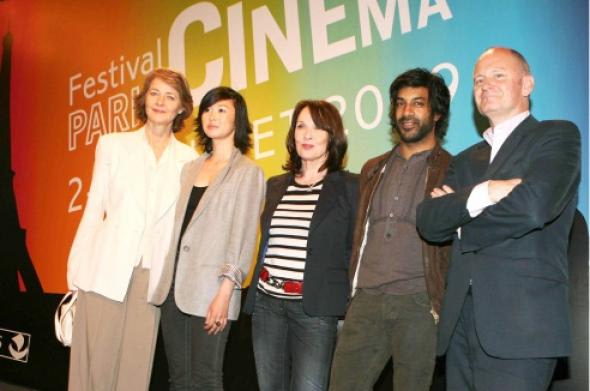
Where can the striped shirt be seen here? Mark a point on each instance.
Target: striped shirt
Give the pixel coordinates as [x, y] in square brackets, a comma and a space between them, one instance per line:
[286, 249]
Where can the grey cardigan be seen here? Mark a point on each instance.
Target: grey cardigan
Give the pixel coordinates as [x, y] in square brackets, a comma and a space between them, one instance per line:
[219, 239]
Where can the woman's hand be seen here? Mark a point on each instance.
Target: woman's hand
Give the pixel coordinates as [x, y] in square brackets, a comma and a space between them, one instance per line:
[216, 319]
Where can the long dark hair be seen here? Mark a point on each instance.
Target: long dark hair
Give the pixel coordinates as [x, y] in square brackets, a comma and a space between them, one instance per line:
[242, 123]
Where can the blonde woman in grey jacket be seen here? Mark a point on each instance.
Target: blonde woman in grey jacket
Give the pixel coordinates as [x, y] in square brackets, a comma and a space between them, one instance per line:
[213, 243]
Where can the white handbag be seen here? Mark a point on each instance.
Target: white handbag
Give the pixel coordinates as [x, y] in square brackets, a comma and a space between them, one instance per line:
[64, 318]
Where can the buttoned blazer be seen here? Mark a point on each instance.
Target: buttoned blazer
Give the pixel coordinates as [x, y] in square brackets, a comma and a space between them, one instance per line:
[515, 252]
[325, 279]
[219, 239]
[107, 243]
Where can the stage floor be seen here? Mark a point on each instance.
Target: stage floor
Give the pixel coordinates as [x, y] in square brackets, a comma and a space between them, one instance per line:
[11, 387]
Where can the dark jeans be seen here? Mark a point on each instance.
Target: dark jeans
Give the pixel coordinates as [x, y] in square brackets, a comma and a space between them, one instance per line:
[469, 367]
[378, 327]
[195, 359]
[292, 350]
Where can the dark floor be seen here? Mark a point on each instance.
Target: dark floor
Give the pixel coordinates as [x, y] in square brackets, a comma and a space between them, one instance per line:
[11, 387]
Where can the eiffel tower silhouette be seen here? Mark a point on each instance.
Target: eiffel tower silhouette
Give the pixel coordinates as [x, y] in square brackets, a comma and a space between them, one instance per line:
[15, 261]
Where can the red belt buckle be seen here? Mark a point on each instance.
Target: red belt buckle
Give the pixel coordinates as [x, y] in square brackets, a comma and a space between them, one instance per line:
[264, 274]
[293, 287]
[286, 285]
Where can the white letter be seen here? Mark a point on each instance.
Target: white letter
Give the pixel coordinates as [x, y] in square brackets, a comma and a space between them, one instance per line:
[378, 102]
[207, 14]
[101, 78]
[237, 47]
[338, 100]
[454, 84]
[88, 84]
[340, 103]
[287, 47]
[426, 10]
[77, 123]
[147, 63]
[384, 23]
[320, 18]
[287, 114]
[117, 113]
[74, 87]
[134, 120]
[259, 136]
[95, 123]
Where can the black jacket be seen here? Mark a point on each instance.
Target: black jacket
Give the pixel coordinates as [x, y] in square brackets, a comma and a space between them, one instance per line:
[514, 252]
[325, 280]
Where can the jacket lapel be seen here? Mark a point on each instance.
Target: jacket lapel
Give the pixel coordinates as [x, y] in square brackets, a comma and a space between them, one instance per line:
[273, 198]
[137, 170]
[170, 185]
[186, 186]
[510, 146]
[373, 178]
[479, 162]
[327, 200]
[214, 187]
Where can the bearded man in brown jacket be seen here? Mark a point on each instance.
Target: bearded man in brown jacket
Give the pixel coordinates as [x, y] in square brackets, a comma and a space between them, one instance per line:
[397, 278]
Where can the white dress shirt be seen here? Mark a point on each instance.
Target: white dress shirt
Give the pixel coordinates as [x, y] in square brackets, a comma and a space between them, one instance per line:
[155, 170]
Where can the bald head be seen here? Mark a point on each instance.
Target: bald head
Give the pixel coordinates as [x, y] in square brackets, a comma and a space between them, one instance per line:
[502, 84]
[514, 53]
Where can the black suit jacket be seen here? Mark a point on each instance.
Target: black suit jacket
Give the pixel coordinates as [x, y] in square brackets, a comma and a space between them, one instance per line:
[515, 252]
[325, 281]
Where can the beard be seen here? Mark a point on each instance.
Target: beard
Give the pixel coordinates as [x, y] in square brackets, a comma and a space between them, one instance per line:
[417, 133]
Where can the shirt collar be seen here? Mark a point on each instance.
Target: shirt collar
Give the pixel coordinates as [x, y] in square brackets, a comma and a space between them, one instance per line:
[169, 150]
[417, 156]
[500, 132]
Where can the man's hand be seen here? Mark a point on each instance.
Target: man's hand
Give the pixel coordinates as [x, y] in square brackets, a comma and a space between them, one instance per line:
[498, 189]
[441, 191]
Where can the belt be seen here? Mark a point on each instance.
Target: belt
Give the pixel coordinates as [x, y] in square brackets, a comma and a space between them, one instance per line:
[288, 286]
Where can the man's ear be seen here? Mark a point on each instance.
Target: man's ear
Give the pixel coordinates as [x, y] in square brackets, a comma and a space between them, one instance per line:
[528, 83]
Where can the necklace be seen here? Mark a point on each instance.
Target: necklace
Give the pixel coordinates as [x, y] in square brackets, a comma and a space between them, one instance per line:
[309, 186]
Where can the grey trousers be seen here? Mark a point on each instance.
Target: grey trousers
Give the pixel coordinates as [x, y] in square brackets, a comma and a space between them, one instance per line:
[378, 327]
[113, 342]
[195, 358]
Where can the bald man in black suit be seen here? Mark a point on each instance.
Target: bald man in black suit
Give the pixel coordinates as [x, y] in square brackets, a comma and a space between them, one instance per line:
[508, 203]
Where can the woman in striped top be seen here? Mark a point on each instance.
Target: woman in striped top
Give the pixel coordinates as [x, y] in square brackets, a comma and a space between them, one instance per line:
[300, 284]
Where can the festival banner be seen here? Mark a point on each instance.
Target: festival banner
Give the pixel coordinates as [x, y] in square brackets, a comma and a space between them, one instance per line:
[70, 70]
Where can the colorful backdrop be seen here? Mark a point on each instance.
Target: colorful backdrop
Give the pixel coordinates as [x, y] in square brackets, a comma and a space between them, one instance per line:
[71, 69]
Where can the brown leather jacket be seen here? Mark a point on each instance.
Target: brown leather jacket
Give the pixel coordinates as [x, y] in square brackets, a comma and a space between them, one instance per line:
[435, 257]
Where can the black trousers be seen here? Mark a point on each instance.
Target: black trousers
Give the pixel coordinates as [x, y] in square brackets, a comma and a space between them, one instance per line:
[469, 367]
[195, 359]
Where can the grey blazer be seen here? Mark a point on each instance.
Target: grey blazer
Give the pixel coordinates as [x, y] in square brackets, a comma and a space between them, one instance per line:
[219, 239]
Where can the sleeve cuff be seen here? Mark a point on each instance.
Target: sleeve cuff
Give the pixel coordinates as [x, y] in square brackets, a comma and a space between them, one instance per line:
[231, 272]
[478, 199]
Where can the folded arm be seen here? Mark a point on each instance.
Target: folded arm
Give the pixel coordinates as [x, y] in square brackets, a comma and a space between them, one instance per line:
[439, 216]
[548, 185]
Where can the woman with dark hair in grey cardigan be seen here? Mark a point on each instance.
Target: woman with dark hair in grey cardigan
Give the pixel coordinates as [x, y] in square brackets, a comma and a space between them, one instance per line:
[213, 243]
